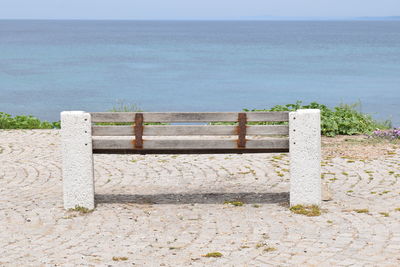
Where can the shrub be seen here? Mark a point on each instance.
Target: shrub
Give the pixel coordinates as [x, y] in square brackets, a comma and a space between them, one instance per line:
[343, 119]
[25, 122]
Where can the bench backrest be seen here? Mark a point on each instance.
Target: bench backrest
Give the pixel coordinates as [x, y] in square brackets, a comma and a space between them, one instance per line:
[141, 135]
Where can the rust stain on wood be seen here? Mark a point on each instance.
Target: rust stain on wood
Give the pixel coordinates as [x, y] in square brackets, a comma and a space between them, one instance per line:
[241, 129]
[138, 128]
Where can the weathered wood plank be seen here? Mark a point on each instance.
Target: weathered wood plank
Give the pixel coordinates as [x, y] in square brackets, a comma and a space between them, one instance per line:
[189, 151]
[276, 143]
[268, 116]
[270, 143]
[171, 117]
[184, 130]
[268, 130]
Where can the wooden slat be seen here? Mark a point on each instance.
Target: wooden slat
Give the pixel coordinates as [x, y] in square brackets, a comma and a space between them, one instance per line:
[272, 143]
[189, 151]
[170, 117]
[268, 116]
[268, 130]
[183, 130]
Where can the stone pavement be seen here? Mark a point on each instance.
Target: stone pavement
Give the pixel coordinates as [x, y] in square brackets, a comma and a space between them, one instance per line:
[169, 210]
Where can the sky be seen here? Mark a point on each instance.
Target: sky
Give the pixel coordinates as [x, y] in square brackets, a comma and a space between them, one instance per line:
[194, 9]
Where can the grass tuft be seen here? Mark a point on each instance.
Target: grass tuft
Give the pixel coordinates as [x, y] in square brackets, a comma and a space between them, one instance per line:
[81, 210]
[234, 203]
[361, 210]
[213, 255]
[119, 258]
[269, 249]
[309, 211]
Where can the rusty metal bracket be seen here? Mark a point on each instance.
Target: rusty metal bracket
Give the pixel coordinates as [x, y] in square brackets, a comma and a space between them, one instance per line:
[241, 129]
[138, 127]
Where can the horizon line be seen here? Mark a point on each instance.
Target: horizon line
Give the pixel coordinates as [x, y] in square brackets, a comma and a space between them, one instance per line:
[253, 18]
[204, 20]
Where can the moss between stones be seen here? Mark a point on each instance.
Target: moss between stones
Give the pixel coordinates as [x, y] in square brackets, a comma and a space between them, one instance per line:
[119, 258]
[310, 211]
[81, 210]
[213, 255]
[234, 203]
[361, 210]
[269, 249]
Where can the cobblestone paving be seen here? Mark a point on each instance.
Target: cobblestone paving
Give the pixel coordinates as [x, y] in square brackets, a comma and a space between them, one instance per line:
[169, 211]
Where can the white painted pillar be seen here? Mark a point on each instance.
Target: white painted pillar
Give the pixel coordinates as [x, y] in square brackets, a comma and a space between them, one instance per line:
[77, 159]
[305, 157]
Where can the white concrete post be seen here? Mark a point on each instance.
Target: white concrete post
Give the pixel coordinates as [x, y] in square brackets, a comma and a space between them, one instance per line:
[77, 159]
[305, 157]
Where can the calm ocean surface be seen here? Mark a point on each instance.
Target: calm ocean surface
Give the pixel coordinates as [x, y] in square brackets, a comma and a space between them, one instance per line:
[50, 66]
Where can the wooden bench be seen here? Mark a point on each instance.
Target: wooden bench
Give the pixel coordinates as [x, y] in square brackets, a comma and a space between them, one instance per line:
[84, 134]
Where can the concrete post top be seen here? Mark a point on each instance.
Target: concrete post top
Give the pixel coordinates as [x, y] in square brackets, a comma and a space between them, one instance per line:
[312, 111]
[72, 112]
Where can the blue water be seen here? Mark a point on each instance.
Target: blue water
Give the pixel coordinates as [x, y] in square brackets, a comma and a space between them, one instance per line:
[50, 66]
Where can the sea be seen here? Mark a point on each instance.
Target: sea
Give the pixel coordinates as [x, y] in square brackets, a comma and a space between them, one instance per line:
[47, 66]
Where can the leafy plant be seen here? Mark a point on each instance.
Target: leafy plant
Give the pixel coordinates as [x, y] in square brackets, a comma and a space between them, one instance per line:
[343, 119]
[25, 122]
